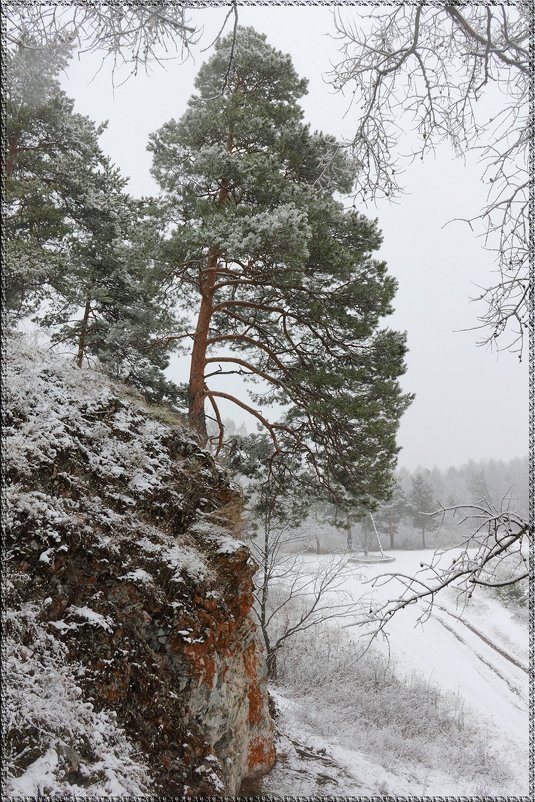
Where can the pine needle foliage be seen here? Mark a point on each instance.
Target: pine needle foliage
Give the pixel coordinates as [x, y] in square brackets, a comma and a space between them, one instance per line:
[281, 276]
[78, 247]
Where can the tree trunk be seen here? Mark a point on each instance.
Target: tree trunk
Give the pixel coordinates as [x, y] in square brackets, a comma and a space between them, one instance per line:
[423, 537]
[83, 333]
[196, 389]
[207, 281]
[272, 664]
[392, 534]
[265, 589]
[11, 157]
[350, 538]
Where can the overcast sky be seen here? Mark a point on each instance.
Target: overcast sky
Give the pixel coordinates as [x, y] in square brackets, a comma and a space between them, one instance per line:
[470, 403]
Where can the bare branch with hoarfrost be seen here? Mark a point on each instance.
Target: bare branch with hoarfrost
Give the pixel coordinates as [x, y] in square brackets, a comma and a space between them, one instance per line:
[437, 67]
[135, 34]
[293, 596]
[494, 555]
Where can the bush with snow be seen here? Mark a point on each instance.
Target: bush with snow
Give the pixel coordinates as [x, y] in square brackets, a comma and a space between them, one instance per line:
[359, 703]
[504, 584]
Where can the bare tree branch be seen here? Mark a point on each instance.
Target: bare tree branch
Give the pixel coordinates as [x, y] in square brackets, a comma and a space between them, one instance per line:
[431, 65]
[133, 34]
[497, 536]
[291, 595]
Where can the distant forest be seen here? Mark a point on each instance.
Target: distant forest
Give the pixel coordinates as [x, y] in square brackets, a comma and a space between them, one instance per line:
[405, 520]
[501, 482]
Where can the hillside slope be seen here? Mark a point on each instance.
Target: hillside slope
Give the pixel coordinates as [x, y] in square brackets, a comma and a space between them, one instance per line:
[132, 662]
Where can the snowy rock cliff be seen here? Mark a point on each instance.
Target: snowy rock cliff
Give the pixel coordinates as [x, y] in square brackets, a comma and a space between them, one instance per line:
[132, 658]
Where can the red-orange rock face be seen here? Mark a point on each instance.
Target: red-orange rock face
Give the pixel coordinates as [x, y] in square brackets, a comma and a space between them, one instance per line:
[124, 533]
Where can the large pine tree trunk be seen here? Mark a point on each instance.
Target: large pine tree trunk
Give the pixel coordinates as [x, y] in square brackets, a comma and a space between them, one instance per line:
[196, 390]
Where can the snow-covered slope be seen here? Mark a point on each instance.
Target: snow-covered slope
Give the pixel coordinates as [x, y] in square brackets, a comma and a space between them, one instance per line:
[132, 658]
[478, 650]
[439, 709]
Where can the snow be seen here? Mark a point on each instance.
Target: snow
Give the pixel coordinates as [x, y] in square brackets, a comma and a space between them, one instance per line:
[475, 655]
[229, 546]
[183, 558]
[59, 415]
[312, 764]
[59, 409]
[38, 775]
[139, 575]
[62, 626]
[44, 707]
[92, 617]
[211, 776]
[453, 656]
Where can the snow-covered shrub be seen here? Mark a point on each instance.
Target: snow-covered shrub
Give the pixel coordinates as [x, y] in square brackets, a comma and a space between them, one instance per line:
[513, 593]
[362, 704]
[55, 743]
[514, 596]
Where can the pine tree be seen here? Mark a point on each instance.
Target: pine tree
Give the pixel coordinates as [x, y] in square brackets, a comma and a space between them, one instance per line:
[476, 483]
[422, 501]
[281, 276]
[73, 235]
[392, 511]
[46, 147]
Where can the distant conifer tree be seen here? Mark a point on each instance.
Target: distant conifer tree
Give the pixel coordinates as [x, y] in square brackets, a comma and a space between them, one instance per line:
[423, 502]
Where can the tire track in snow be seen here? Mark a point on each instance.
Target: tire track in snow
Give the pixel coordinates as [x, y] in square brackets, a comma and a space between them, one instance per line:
[486, 640]
[485, 662]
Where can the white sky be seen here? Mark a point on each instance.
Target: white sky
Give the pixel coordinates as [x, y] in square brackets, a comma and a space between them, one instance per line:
[470, 403]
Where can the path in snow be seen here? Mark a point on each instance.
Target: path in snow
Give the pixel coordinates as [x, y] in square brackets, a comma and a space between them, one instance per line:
[478, 651]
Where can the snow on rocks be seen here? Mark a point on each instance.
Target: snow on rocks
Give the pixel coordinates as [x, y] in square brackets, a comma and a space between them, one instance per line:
[104, 548]
[57, 740]
[139, 575]
[91, 617]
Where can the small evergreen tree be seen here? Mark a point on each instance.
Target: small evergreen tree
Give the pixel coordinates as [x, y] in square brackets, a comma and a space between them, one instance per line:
[281, 276]
[476, 483]
[73, 235]
[47, 147]
[422, 501]
[393, 511]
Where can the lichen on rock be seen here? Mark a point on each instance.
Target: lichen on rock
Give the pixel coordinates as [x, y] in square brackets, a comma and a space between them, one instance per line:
[121, 536]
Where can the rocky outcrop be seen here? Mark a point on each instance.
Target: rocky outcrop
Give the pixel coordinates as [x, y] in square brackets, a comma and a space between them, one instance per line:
[122, 535]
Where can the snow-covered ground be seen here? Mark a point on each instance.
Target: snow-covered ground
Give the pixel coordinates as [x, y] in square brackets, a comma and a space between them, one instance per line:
[478, 650]
[476, 654]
